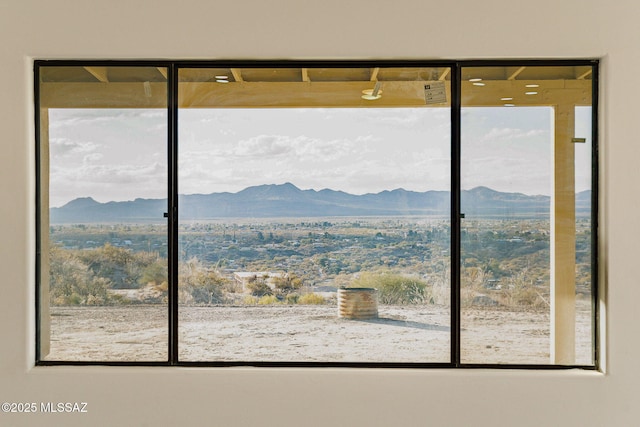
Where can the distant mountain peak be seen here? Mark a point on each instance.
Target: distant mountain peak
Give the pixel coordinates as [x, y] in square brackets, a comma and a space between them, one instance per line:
[482, 189]
[81, 202]
[287, 200]
[285, 186]
[273, 192]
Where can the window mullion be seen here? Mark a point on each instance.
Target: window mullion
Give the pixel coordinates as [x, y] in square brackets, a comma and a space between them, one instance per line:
[172, 126]
[456, 215]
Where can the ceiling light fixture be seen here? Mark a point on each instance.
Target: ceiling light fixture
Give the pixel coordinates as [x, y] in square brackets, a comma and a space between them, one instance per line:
[475, 80]
[531, 93]
[506, 99]
[509, 105]
[532, 85]
[478, 84]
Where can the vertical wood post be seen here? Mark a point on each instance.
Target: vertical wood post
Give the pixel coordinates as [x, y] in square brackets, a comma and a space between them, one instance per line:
[45, 315]
[563, 239]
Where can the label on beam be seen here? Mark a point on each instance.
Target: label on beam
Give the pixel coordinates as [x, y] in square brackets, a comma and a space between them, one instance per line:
[435, 93]
[578, 140]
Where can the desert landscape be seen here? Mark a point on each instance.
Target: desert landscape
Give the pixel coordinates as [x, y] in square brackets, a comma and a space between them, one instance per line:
[296, 333]
[264, 290]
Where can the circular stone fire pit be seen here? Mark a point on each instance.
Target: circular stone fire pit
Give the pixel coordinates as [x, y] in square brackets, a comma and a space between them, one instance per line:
[358, 303]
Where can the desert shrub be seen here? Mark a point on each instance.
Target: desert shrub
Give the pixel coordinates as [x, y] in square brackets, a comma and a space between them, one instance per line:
[268, 300]
[471, 282]
[311, 299]
[250, 300]
[200, 285]
[439, 287]
[291, 298]
[209, 292]
[258, 287]
[72, 282]
[124, 268]
[155, 272]
[393, 288]
[520, 291]
[73, 299]
[287, 284]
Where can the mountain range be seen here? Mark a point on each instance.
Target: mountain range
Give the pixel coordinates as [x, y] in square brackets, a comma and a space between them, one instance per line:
[287, 200]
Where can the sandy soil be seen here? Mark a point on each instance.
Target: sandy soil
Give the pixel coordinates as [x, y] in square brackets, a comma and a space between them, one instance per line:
[307, 333]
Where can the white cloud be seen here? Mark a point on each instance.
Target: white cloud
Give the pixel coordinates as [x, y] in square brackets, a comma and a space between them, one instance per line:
[112, 174]
[107, 182]
[510, 134]
[295, 149]
[153, 114]
[263, 146]
[65, 146]
[90, 158]
[113, 155]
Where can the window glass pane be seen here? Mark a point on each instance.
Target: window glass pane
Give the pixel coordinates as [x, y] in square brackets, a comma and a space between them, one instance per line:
[302, 187]
[103, 169]
[314, 214]
[526, 285]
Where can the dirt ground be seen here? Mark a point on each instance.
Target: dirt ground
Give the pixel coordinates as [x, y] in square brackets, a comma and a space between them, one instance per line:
[419, 334]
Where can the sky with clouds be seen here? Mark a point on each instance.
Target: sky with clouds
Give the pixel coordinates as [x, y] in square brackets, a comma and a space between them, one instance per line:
[122, 154]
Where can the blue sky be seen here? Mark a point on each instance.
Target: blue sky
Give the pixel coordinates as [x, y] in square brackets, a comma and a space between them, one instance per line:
[121, 154]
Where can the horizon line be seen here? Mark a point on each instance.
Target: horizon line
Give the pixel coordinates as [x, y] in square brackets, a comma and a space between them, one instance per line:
[305, 189]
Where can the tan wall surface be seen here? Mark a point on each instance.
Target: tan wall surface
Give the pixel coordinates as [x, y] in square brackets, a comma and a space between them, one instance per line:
[325, 30]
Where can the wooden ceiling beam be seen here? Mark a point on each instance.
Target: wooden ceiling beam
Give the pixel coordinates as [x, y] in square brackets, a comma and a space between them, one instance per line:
[374, 74]
[444, 74]
[304, 94]
[554, 92]
[516, 73]
[163, 71]
[100, 73]
[585, 74]
[237, 74]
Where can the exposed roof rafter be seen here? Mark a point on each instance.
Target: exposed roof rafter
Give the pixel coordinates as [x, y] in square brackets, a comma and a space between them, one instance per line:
[516, 73]
[100, 73]
[585, 74]
[163, 71]
[305, 75]
[374, 74]
[237, 75]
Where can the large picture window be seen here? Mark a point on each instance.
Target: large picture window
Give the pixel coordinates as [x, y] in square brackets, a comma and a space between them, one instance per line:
[416, 214]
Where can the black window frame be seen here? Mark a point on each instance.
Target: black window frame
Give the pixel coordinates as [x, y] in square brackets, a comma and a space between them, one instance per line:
[456, 66]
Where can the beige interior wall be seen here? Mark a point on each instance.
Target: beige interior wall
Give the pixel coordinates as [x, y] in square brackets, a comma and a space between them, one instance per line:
[325, 30]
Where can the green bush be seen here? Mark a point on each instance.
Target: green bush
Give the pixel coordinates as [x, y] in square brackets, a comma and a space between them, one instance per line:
[393, 288]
